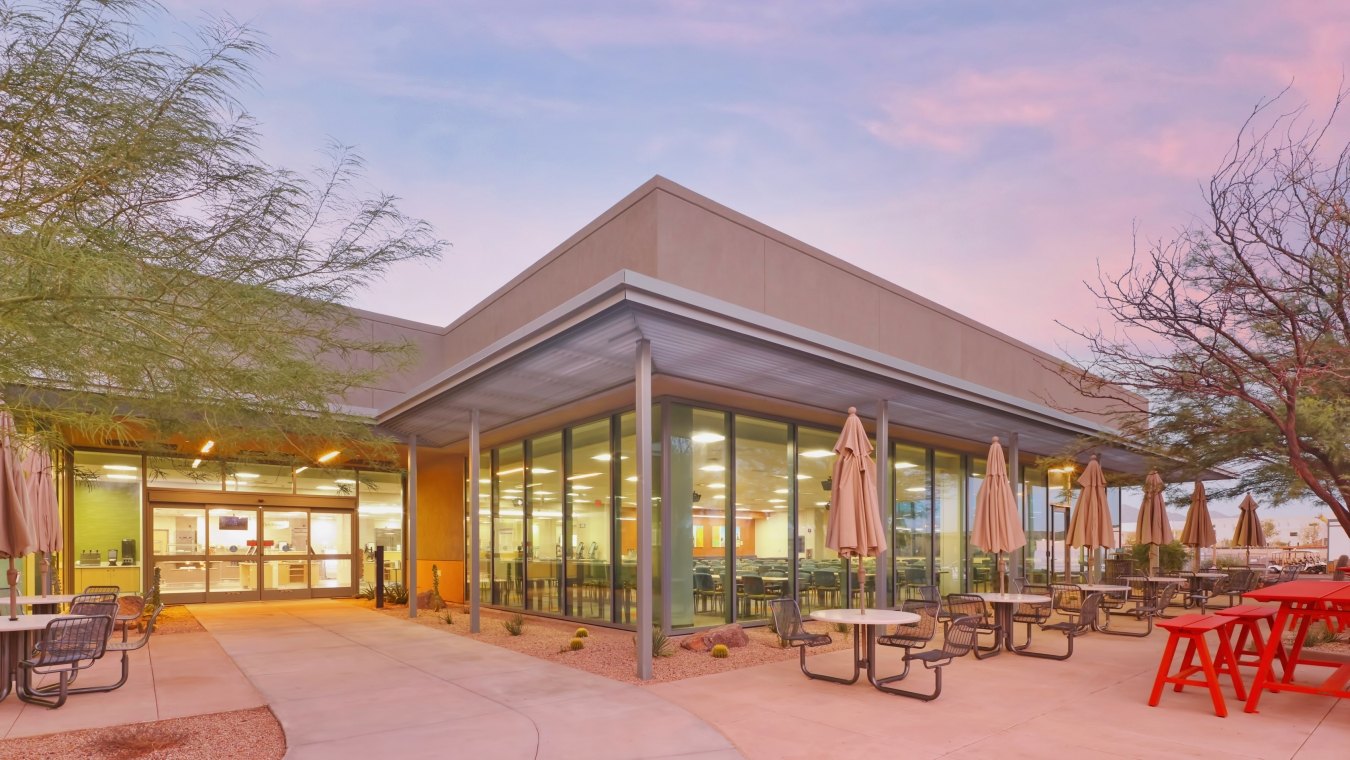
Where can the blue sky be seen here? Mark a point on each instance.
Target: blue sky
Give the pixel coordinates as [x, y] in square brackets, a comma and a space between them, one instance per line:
[984, 154]
[987, 155]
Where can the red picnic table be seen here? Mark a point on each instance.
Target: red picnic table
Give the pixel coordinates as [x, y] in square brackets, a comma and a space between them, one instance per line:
[1305, 602]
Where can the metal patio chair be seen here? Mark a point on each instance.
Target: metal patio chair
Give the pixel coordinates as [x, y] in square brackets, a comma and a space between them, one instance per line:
[1075, 626]
[68, 645]
[787, 621]
[114, 590]
[914, 635]
[125, 647]
[970, 605]
[1203, 596]
[962, 637]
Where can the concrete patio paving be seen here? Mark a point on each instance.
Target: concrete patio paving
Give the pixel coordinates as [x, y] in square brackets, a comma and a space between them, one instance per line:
[1093, 705]
[174, 676]
[346, 682]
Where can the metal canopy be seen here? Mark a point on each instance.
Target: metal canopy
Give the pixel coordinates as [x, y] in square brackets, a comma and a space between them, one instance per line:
[579, 352]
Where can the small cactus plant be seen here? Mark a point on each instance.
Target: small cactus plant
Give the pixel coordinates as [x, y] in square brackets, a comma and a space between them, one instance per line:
[582, 633]
[576, 643]
[720, 651]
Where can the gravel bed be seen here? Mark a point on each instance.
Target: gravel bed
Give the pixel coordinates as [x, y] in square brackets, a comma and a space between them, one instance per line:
[609, 652]
[254, 734]
[177, 619]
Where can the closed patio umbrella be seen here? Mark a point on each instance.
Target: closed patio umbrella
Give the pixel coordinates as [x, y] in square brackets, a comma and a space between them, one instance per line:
[997, 527]
[1199, 529]
[15, 538]
[41, 507]
[854, 529]
[1090, 523]
[1248, 532]
[1153, 528]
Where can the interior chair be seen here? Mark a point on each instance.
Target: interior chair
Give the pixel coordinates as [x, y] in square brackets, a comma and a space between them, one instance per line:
[972, 606]
[787, 620]
[754, 592]
[962, 637]
[826, 585]
[68, 645]
[705, 591]
[1075, 626]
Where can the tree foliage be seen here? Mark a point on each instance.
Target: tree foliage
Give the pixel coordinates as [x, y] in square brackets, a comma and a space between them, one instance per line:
[160, 279]
[1237, 332]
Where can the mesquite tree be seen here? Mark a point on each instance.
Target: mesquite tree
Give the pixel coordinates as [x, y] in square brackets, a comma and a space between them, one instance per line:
[1237, 332]
[158, 278]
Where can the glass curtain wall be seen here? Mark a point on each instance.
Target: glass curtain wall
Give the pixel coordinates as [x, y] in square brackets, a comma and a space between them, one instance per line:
[702, 536]
[949, 532]
[544, 499]
[508, 527]
[1036, 497]
[763, 489]
[818, 566]
[589, 541]
[912, 544]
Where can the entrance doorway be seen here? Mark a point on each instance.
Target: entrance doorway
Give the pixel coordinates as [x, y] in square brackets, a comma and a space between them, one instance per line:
[226, 553]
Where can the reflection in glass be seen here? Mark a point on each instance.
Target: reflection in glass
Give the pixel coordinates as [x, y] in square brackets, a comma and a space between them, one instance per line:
[260, 478]
[589, 488]
[380, 523]
[818, 567]
[508, 540]
[763, 515]
[192, 474]
[948, 504]
[700, 579]
[912, 520]
[330, 481]
[544, 497]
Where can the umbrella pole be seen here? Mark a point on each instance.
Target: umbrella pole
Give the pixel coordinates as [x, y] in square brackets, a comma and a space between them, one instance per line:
[45, 589]
[1152, 558]
[862, 590]
[12, 576]
[1001, 571]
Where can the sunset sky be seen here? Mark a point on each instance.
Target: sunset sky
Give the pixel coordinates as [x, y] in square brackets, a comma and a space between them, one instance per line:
[987, 155]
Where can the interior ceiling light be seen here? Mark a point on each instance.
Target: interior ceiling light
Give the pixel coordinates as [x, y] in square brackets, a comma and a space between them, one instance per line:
[917, 489]
[329, 456]
[719, 496]
[344, 481]
[120, 476]
[580, 488]
[707, 437]
[713, 468]
[822, 504]
[247, 475]
[605, 457]
[777, 501]
[631, 478]
[542, 471]
[511, 471]
[123, 467]
[817, 453]
[717, 485]
[781, 490]
[803, 476]
[298, 470]
[206, 447]
[905, 465]
[327, 488]
[585, 475]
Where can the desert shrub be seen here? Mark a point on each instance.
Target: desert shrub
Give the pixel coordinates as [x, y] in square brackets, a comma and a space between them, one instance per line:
[143, 740]
[515, 624]
[449, 620]
[661, 646]
[720, 651]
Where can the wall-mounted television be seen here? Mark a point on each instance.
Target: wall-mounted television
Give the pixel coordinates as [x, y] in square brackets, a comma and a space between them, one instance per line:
[233, 522]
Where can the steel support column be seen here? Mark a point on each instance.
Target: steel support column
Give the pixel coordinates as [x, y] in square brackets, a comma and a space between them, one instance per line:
[643, 467]
[475, 495]
[883, 573]
[410, 540]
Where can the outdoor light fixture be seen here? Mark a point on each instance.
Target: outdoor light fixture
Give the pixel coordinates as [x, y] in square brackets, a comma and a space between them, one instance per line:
[206, 447]
[328, 457]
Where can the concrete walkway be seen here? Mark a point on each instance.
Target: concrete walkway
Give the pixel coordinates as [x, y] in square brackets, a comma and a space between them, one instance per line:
[346, 682]
[174, 676]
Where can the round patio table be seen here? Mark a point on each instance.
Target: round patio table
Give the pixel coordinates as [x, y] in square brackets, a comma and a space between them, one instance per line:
[869, 619]
[1004, 604]
[16, 639]
[48, 604]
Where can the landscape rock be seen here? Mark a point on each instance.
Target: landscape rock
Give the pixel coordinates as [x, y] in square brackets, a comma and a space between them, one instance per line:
[732, 635]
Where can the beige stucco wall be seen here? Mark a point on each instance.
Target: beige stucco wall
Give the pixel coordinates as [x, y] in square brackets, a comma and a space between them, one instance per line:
[668, 232]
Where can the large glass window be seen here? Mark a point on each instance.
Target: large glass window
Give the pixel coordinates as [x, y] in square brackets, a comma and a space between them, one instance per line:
[325, 481]
[590, 528]
[764, 540]
[1037, 500]
[701, 537]
[177, 472]
[948, 528]
[626, 600]
[484, 517]
[107, 521]
[544, 497]
[912, 520]
[379, 522]
[819, 570]
[508, 527]
[259, 478]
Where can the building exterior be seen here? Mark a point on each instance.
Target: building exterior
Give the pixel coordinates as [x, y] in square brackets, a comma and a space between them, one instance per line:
[636, 430]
